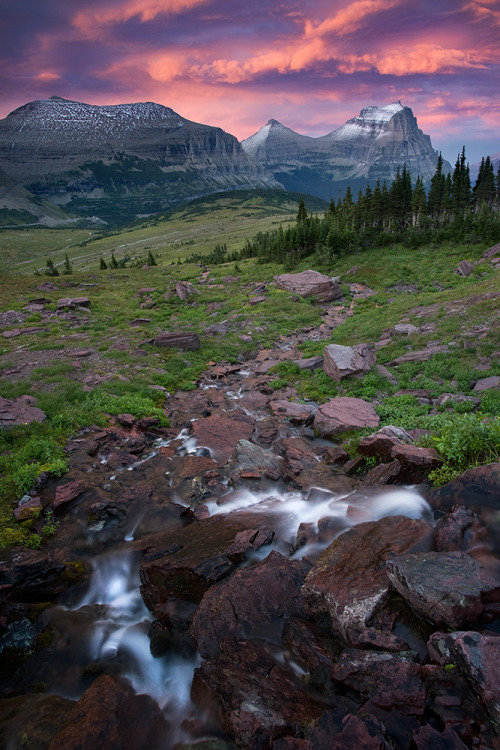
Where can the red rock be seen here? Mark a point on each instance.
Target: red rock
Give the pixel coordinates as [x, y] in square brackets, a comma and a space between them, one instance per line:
[419, 356]
[335, 455]
[110, 715]
[362, 733]
[412, 454]
[383, 474]
[299, 457]
[312, 648]
[459, 530]
[342, 361]
[486, 383]
[28, 510]
[383, 681]
[349, 580]
[66, 493]
[447, 588]
[126, 420]
[478, 658]
[220, 434]
[16, 412]
[35, 716]
[261, 596]
[427, 738]
[251, 697]
[185, 341]
[72, 302]
[309, 363]
[310, 284]
[295, 412]
[184, 563]
[476, 487]
[378, 445]
[342, 414]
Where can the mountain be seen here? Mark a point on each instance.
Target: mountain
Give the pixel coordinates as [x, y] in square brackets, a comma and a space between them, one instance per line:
[368, 147]
[19, 206]
[120, 159]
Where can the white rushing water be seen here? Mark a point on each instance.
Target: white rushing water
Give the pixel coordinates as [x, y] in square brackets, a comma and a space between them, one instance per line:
[121, 633]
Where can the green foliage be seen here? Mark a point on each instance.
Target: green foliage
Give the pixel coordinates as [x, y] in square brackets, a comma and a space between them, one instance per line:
[50, 269]
[467, 440]
[403, 411]
[279, 384]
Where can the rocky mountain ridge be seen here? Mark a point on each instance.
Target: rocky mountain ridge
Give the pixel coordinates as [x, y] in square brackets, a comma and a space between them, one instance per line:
[368, 147]
[139, 157]
[127, 160]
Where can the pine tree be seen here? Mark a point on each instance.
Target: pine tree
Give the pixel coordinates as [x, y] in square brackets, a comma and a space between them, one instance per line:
[102, 265]
[68, 269]
[51, 270]
[418, 203]
[485, 188]
[302, 212]
[113, 262]
[437, 190]
[151, 261]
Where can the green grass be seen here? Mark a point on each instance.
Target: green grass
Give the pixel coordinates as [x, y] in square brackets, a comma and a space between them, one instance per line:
[128, 365]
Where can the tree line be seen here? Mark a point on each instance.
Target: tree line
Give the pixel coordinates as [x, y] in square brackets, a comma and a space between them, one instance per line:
[451, 210]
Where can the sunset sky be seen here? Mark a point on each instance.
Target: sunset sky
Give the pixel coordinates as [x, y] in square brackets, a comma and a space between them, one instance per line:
[311, 64]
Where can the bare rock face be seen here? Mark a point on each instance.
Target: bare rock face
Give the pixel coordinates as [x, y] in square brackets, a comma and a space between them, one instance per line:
[349, 580]
[448, 589]
[476, 487]
[342, 414]
[310, 284]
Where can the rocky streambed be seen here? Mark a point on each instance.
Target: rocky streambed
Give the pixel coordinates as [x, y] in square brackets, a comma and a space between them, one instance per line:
[229, 582]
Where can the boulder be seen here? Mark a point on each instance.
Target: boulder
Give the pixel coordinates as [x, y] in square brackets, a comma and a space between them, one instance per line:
[251, 696]
[484, 384]
[365, 733]
[250, 457]
[31, 721]
[383, 681]
[14, 412]
[110, 715]
[309, 363]
[341, 361]
[313, 648]
[185, 341]
[419, 356]
[342, 414]
[253, 600]
[478, 657]
[492, 252]
[310, 284]
[474, 488]
[220, 434]
[447, 588]
[72, 303]
[295, 412]
[349, 581]
[405, 329]
[383, 474]
[426, 737]
[184, 563]
[460, 530]
[465, 268]
[416, 462]
[66, 493]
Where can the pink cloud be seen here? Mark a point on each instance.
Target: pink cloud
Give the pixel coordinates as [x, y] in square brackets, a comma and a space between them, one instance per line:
[88, 21]
[350, 18]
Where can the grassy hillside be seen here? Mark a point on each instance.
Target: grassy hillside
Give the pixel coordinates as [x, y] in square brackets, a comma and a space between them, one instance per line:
[193, 228]
[118, 369]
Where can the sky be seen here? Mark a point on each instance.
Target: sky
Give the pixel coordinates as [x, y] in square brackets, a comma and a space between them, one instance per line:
[311, 64]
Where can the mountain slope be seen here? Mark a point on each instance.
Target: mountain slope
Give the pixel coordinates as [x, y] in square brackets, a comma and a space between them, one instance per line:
[368, 147]
[19, 206]
[140, 157]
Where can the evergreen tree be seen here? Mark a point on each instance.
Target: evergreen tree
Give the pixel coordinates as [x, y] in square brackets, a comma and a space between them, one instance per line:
[302, 212]
[51, 270]
[485, 188]
[437, 190]
[113, 262]
[67, 269]
[102, 265]
[461, 187]
[151, 261]
[418, 203]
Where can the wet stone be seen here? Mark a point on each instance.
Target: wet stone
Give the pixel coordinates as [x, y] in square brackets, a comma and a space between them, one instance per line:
[447, 588]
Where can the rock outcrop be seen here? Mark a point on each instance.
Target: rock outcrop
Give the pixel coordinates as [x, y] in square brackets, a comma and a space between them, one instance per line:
[310, 284]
